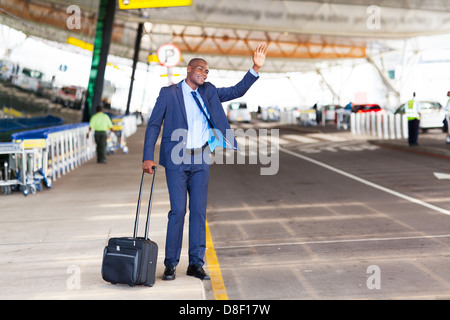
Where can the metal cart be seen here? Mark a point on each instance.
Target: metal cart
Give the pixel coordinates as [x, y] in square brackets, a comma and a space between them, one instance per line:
[17, 173]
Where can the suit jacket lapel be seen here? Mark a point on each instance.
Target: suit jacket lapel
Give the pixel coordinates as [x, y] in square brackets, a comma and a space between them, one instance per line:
[181, 101]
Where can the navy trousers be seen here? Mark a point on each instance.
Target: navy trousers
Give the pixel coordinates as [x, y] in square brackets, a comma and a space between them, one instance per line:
[413, 131]
[187, 180]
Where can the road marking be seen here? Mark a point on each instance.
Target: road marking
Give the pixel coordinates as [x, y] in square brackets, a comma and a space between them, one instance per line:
[441, 176]
[336, 148]
[218, 287]
[327, 137]
[291, 206]
[366, 182]
[243, 141]
[333, 241]
[270, 139]
[300, 138]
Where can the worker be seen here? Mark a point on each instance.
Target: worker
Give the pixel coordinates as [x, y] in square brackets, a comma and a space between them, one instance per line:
[100, 122]
[447, 118]
[412, 112]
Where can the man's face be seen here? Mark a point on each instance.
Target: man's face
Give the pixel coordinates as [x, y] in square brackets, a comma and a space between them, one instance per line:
[198, 72]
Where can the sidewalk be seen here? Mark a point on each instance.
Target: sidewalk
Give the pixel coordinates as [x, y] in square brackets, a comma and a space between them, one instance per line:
[51, 243]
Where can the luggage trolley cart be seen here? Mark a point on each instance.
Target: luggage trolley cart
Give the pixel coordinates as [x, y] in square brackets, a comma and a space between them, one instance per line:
[343, 119]
[34, 164]
[57, 150]
[15, 174]
[116, 139]
[308, 118]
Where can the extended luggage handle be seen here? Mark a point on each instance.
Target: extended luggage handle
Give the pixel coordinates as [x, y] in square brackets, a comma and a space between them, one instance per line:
[136, 222]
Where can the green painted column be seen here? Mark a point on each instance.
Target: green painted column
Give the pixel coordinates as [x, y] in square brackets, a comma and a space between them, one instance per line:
[103, 33]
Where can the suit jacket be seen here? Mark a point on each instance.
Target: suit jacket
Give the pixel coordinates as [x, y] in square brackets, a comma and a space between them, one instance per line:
[170, 108]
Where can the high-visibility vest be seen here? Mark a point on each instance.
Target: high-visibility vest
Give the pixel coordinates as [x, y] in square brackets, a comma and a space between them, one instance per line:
[411, 110]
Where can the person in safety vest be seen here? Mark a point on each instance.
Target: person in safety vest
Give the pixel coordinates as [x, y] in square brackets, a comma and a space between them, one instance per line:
[100, 123]
[412, 112]
[447, 118]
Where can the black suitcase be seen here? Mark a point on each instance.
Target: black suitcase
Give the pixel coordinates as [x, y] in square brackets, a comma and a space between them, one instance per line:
[132, 261]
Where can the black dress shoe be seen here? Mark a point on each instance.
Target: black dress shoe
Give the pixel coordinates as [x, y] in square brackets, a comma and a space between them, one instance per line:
[197, 271]
[169, 273]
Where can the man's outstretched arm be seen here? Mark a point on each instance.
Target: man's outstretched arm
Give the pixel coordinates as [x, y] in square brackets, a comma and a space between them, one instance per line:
[238, 90]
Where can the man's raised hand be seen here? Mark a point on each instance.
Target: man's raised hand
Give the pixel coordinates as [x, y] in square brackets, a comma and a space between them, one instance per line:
[259, 56]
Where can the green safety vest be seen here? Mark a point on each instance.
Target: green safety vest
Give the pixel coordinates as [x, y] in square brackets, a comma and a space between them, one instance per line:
[100, 122]
[411, 110]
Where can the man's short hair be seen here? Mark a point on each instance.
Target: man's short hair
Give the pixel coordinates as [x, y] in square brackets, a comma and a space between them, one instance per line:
[194, 60]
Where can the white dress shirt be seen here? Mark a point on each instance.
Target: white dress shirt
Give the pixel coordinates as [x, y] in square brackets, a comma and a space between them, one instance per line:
[198, 132]
[198, 127]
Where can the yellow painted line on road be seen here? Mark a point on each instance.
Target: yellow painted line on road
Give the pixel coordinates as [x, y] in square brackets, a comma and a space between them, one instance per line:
[218, 287]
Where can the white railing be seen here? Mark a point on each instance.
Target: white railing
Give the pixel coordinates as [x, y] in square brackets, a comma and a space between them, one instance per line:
[67, 149]
[383, 125]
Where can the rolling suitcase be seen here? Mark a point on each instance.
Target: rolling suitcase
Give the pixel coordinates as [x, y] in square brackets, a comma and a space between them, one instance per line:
[129, 260]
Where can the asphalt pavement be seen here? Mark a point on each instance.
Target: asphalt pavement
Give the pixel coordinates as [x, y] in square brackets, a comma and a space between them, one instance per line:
[341, 219]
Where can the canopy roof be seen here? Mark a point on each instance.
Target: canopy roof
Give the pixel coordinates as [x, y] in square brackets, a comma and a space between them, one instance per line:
[225, 32]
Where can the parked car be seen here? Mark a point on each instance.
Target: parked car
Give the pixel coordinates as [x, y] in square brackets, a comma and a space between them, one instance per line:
[432, 115]
[70, 96]
[330, 111]
[363, 108]
[238, 112]
[28, 79]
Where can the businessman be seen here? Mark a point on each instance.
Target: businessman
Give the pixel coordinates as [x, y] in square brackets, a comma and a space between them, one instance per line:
[192, 107]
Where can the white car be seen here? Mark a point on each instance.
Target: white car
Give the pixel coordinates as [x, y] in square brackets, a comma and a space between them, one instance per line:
[238, 112]
[432, 114]
[28, 79]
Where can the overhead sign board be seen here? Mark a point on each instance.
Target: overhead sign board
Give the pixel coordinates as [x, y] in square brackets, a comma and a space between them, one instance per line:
[169, 55]
[141, 4]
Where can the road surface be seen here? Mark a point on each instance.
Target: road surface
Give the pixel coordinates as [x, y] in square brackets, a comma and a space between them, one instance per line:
[340, 219]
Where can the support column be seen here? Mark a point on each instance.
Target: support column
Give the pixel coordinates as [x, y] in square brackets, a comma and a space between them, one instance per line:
[386, 81]
[336, 98]
[102, 40]
[137, 47]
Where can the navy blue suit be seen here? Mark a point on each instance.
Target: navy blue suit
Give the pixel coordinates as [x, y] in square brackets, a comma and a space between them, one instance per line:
[187, 178]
